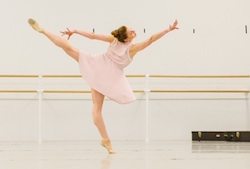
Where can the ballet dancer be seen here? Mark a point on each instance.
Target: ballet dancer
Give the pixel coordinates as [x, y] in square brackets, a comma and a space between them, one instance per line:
[104, 73]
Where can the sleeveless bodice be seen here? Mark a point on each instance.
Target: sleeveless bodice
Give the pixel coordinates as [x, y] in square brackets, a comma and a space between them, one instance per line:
[118, 52]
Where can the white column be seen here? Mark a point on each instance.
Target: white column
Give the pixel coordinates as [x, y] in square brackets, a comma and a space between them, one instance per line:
[40, 92]
[147, 92]
[247, 111]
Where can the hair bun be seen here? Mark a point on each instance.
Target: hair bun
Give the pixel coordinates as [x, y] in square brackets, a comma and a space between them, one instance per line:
[120, 34]
[115, 33]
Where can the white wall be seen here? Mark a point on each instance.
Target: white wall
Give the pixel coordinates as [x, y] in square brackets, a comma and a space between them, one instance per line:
[219, 46]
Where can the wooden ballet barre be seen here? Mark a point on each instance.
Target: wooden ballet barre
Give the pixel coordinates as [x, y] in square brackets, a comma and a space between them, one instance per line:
[18, 91]
[61, 76]
[199, 91]
[45, 91]
[139, 91]
[79, 91]
[200, 76]
[66, 91]
[55, 91]
[135, 76]
[19, 76]
[79, 76]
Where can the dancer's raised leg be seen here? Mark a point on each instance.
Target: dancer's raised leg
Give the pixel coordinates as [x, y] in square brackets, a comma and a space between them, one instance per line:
[98, 99]
[57, 40]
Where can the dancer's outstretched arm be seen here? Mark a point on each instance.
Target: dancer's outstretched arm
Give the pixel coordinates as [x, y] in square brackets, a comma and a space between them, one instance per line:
[142, 45]
[90, 35]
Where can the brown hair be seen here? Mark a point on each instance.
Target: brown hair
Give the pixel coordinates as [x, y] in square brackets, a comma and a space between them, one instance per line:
[120, 34]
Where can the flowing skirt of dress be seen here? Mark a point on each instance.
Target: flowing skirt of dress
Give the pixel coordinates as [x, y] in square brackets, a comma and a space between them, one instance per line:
[106, 77]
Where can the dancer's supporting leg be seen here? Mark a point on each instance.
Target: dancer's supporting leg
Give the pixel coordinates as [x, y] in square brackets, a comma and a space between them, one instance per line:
[57, 40]
[98, 99]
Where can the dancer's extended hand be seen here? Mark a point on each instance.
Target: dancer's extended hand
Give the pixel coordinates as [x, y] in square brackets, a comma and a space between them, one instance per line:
[67, 32]
[174, 26]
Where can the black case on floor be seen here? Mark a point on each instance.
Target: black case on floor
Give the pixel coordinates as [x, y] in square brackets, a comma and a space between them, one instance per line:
[243, 136]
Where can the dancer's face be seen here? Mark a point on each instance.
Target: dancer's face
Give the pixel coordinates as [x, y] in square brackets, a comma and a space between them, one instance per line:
[131, 34]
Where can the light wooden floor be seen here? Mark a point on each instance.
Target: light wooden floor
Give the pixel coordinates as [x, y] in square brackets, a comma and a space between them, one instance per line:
[130, 155]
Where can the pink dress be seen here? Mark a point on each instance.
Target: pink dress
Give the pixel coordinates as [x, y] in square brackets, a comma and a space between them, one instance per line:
[105, 74]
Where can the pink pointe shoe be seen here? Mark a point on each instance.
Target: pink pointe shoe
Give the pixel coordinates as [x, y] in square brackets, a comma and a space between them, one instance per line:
[106, 144]
[35, 25]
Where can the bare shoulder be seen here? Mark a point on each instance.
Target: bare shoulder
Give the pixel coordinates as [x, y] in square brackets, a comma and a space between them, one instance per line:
[110, 38]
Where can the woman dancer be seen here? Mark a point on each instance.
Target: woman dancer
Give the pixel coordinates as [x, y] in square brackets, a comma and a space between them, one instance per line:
[104, 73]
